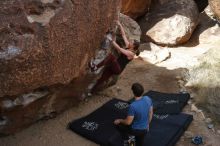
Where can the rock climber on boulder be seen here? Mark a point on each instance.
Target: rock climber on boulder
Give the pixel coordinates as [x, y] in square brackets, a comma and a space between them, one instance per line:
[113, 65]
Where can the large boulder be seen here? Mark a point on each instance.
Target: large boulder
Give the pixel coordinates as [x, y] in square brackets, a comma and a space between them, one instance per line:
[215, 6]
[45, 46]
[132, 29]
[135, 8]
[173, 22]
[49, 42]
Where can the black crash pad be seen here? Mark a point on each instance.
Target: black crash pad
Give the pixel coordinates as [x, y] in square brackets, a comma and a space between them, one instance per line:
[168, 103]
[165, 130]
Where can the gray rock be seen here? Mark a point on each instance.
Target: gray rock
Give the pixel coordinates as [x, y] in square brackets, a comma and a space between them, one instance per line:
[132, 29]
[208, 120]
[210, 126]
[174, 22]
[189, 102]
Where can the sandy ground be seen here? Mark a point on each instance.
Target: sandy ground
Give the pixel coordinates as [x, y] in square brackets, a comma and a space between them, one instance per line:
[54, 133]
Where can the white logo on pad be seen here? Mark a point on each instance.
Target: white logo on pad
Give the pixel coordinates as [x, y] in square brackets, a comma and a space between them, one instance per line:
[91, 126]
[161, 117]
[171, 101]
[121, 105]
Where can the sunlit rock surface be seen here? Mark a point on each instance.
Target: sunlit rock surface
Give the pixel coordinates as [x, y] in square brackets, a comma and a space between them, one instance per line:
[215, 6]
[173, 22]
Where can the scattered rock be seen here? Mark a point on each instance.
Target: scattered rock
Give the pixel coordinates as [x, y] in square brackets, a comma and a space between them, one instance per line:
[192, 95]
[174, 22]
[202, 115]
[188, 134]
[189, 102]
[182, 87]
[178, 77]
[156, 55]
[211, 27]
[183, 90]
[210, 126]
[118, 89]
[195, 109]
[181, 82]
[208, 120]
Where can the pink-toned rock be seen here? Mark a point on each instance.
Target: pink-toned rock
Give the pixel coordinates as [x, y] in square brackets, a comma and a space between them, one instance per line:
[135, 8]
[45, 46]
[46, 43]
[173, 22]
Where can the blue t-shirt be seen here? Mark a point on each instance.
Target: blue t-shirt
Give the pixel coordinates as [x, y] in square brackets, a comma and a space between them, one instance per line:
[140, 110]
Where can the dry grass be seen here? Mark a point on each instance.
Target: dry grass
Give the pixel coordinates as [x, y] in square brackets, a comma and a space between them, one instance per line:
[205, 80]
[208, 72]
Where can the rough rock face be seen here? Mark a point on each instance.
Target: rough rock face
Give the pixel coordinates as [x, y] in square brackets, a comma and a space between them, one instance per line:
[173, 22]
[215, 6]
[135, 8]
[45, 46]
[48, 42]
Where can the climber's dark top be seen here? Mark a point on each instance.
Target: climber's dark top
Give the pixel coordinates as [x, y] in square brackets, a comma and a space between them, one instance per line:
[123, 61]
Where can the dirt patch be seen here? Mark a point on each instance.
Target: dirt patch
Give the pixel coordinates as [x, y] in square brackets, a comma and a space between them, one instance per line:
[54, 132]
